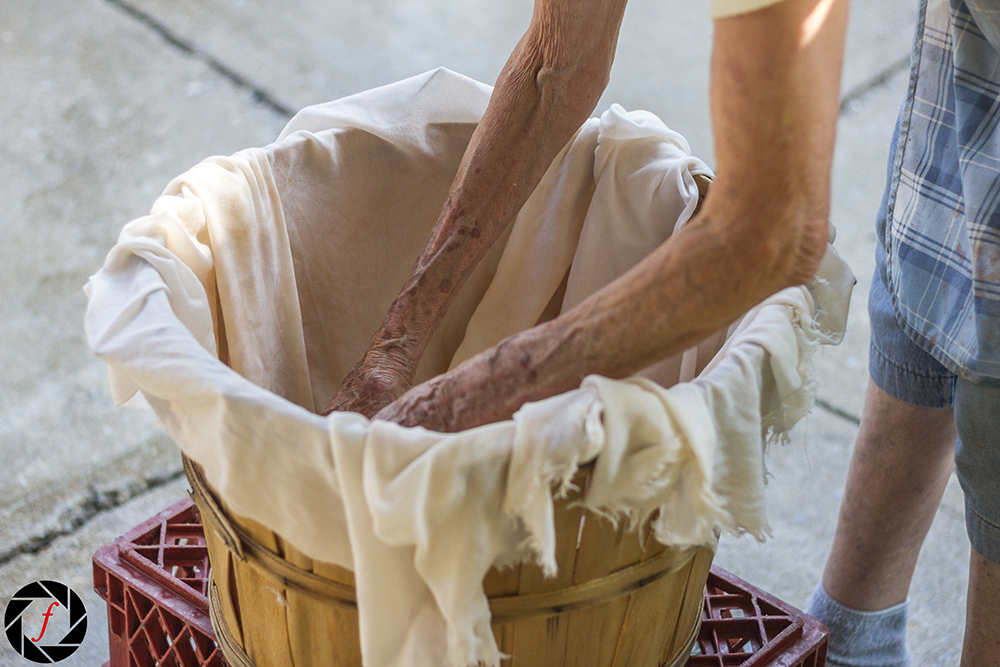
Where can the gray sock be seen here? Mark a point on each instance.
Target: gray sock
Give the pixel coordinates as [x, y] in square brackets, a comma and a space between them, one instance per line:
[862, 638]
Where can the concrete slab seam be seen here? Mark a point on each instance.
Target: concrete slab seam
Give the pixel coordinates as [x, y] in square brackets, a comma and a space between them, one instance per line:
[259, 94]
[75, 516]
[879, 79]
[834, 410]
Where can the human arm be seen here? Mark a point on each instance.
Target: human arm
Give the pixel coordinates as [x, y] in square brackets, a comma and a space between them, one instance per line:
[775, 99]
[547, 89]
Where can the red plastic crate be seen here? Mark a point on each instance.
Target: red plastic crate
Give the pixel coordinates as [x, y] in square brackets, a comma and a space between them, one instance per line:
[155, 578]
[743, 625]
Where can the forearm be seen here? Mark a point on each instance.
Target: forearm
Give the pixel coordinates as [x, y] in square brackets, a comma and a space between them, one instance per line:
[547, 89]
[762, 227]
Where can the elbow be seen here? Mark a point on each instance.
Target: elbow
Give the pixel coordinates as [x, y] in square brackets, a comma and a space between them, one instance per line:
[775, 234]
[790, 254]
[765, 254]
[567, 88]
[572, 86]
[585, 73]
[569, 54]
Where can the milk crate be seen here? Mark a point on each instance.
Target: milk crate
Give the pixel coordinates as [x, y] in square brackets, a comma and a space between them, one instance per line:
[743, 625]
[154, 579]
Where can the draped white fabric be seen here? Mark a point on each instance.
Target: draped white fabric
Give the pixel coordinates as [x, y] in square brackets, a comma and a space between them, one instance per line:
[281, 262]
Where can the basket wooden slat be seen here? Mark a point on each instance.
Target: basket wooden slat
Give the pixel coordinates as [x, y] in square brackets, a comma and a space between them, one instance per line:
[602, 549]
[698, 571]
[647, 616]
[345, 619]
[545, 637]
[307, 631]
[259, 605]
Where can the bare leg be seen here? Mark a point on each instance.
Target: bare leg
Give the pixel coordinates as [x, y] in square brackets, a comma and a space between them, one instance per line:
[982, 620]
[977, 462]
[901, 463]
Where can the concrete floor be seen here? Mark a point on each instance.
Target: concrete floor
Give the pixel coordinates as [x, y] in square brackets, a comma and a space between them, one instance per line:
[104, 101]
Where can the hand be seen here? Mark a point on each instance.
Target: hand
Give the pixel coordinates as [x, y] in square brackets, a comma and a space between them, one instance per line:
[375, 382]
[430, 405]
[487, 388]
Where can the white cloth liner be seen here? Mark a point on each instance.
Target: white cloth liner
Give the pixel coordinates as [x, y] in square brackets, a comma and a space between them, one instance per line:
[283, 260]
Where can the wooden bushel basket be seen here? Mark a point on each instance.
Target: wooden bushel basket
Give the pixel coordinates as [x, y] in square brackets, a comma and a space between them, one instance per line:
[620, 599]
[617, 601]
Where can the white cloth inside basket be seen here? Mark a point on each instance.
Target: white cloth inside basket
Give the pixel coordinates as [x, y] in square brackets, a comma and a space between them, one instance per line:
[282, 261]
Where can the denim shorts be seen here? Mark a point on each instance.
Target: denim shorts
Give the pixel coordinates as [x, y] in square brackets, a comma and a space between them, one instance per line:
[907, 372]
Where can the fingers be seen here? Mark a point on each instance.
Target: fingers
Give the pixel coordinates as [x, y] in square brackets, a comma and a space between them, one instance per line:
[370, 386]
[425, 405]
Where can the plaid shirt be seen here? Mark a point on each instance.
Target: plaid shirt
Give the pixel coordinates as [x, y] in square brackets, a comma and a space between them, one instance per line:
[942, 237]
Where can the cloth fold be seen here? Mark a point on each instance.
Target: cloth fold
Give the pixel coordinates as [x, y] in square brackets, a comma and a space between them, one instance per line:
[239, 304]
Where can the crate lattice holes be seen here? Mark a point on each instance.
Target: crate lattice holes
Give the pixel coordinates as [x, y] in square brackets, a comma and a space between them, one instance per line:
[155, 581]
[742, 625]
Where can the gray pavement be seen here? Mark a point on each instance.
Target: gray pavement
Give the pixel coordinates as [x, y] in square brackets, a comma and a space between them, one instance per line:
[105, 101]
